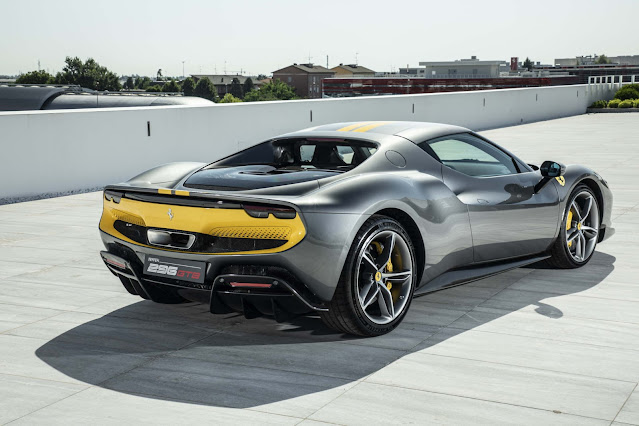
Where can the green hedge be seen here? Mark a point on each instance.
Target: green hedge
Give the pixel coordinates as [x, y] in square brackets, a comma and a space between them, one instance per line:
[629, 91]
[614, 103]
[628, 103]
[599, 104]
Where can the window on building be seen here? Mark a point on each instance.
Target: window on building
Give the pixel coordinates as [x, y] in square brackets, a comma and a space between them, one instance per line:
[290, 79]
[452, 71]
[474, 71]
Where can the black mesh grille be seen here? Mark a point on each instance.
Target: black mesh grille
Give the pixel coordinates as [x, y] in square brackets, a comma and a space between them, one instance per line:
[203, 243]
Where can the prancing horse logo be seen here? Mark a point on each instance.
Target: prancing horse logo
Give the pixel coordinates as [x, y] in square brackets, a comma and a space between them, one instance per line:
[170, 215]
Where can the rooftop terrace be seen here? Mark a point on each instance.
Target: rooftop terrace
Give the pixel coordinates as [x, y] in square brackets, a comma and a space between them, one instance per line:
[529, 346]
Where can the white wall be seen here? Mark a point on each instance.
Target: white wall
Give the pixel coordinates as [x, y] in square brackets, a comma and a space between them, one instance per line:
[44, 152]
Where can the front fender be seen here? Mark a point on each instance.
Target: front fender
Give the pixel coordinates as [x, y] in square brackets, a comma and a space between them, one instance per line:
[576, 174]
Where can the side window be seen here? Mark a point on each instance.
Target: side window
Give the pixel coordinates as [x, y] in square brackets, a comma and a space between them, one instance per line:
[470, 155]
[306, 153]
[345, 154]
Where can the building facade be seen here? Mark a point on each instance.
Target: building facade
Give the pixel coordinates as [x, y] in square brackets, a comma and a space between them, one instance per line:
[375, 86]
[306, 79]
[464, 68]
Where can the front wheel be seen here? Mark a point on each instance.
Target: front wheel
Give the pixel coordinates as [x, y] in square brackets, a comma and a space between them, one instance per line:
[579, 233]
[377, 282]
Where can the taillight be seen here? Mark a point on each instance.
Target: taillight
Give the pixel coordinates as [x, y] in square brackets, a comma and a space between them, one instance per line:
[264, 211]
[113, 196]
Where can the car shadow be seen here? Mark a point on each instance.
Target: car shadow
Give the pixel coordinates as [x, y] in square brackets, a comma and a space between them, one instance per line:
[183, 353]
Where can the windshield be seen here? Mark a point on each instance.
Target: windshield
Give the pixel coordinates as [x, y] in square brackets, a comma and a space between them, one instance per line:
[302, 154]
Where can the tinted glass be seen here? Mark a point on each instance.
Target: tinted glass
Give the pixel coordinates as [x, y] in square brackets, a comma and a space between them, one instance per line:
[303, 154]
[471, 156]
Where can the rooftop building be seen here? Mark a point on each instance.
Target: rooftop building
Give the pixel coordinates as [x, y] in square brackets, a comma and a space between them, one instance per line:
[352, 70]
[463, 68]
[306, 79]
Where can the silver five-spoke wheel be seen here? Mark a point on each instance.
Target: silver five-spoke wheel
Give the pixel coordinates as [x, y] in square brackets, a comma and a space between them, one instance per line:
[384, 276]
[582, 226]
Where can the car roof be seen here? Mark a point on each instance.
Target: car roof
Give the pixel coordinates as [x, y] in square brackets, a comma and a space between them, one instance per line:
[415, 131]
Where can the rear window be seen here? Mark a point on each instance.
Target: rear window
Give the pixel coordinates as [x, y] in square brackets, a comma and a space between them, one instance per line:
[325, 154]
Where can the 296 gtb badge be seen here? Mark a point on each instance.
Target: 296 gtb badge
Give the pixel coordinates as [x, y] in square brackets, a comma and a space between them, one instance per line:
[184, 270]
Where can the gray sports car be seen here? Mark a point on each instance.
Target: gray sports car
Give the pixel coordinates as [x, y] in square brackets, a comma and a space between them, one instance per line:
[349, 221]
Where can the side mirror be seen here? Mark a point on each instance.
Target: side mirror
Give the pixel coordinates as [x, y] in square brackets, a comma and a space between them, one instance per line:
[549, 170]
[552, 169]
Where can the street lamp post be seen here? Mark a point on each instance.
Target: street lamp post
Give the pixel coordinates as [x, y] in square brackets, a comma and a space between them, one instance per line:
[183, 69]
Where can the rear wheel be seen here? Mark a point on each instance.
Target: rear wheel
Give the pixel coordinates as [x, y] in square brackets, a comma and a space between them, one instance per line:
[579, 233]
[377, 282]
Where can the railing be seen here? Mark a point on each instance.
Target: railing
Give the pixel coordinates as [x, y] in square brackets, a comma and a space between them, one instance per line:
[606, 83]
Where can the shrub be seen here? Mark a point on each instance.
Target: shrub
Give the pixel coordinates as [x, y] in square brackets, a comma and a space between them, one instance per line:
[614, 103]
[630, 91]
[599, 104]
[229, 99]
[636, 103]
[626, 104]
[155, 88]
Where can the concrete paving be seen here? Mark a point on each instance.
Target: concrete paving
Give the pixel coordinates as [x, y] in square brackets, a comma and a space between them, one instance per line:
[532, 346]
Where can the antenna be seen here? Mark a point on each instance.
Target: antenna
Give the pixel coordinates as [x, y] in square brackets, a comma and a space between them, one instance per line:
[326, 61]
[356, 53]
[224, 67]
[38, 64]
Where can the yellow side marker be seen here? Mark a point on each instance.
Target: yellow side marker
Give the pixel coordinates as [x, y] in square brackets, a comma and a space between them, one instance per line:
[561, 180]
[164, 191]
[353, 126]
[182, 193]
[370, 127]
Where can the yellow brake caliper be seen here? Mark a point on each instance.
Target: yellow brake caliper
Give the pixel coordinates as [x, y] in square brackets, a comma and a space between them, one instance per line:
[389, 265]
[569, 224]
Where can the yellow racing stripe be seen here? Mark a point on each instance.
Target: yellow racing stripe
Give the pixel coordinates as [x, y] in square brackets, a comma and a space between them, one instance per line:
[353, 126]
[182, 193]
[164, 191]
[370, 126]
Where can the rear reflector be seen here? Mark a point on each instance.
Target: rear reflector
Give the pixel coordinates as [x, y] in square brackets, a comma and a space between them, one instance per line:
[114, 263]
[251, 285]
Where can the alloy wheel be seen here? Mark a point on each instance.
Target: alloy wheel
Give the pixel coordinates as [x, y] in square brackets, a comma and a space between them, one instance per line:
[582, 226]
[384, 276]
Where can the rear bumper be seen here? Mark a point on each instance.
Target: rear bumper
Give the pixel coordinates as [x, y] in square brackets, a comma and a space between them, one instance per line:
[227, 285]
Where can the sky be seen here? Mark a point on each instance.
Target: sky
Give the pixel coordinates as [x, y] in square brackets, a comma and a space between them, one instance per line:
[258, 37]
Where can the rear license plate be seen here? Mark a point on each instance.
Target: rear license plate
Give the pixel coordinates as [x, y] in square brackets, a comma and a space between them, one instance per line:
[184, 270]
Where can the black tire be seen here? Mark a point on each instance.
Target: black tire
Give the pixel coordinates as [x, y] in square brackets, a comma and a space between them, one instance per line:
[560, 258]
[344, 311]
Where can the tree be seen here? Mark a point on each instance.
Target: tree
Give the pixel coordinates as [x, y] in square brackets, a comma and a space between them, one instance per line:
[603, 59]
[36, 77]
[143, 83]
[229, 99]
[88, 74]
[188, 86]
[236, 88]
[273, 91]
[261, 77]
[528, 64]
[154, 88]
[129, 84]
[171, 86]
[205, 89]
[248, 85]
